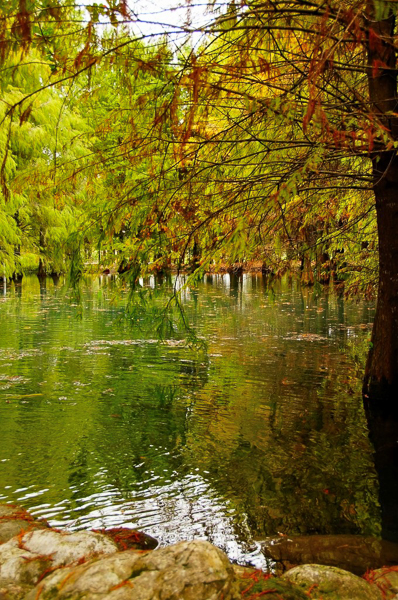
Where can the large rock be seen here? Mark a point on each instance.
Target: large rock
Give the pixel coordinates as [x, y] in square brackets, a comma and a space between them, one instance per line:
[66, 547]
[9, 590]
[24, 559]
[331, 583]
[8, 511]
[185, 571]
[22, 567]
[14, 520]
[127, 539]
[353, 553]
[386, 579]
[253, 583]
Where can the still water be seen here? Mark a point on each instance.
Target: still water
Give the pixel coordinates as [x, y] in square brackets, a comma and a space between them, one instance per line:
[261, 431]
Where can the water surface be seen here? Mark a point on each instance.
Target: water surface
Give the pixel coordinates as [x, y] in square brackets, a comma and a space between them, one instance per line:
[261, 432]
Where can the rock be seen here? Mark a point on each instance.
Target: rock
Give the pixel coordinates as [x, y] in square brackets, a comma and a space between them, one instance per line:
[253, 583]
[125, 538]
[353, 553]
[25, 558]
[386, 579]
[14, 520]
[9, 590]
[244, 573]
[331, 583]
[185, 571]
[276, 589]
[65, 548]
[10, 529]
[22, 567]
[9, 510]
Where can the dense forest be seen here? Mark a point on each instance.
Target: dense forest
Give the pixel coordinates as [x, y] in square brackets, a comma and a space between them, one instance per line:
[266, 137]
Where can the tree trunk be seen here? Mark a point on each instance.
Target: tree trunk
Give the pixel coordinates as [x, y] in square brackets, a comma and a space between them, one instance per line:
[17, 274]
[381, 374]
[196, 256]
[41, 272]
[382, 420]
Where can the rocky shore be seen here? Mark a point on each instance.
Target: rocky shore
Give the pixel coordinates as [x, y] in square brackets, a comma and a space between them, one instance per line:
[38, 562]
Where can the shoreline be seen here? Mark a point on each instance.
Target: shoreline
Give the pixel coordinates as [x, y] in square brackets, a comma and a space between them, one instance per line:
[38, 562]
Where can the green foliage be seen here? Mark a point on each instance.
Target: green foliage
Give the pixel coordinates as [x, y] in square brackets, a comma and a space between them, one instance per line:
[125, 153]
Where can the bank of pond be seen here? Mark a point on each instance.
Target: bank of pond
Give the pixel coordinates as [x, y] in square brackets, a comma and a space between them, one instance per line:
[38, 562]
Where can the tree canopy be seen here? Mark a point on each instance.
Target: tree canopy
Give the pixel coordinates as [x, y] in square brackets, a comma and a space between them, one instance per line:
[268, 135]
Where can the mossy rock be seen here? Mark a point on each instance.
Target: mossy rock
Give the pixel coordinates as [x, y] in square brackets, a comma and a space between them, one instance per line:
[193, 570]
[252, 583]
[9, 590]
[127, 539]
[330, 583]
[276, 589]
[386, 579]
[15, 520]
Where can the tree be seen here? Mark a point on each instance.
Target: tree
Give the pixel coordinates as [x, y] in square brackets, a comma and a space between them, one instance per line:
[381, 376]
[280, 128]
[310, 90]
[42, 137]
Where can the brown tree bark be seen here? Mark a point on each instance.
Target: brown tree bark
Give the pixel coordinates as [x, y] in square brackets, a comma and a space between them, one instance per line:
[41, 272]
[381, 374]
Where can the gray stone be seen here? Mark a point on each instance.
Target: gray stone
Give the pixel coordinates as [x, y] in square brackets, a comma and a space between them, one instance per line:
[253, 583]
[20, 566]
[66, 547]
[129, 539]
[331, 583]
[10, 529]
[9, 510]
[185, 571]
[25, 558]
[9, 590]
[14, 520]
[386, 579]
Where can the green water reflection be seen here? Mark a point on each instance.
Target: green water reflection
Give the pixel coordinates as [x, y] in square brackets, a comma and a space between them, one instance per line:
[262, 432]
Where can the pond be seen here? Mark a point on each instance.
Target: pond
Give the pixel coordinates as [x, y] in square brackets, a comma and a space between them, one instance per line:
[260, 432]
